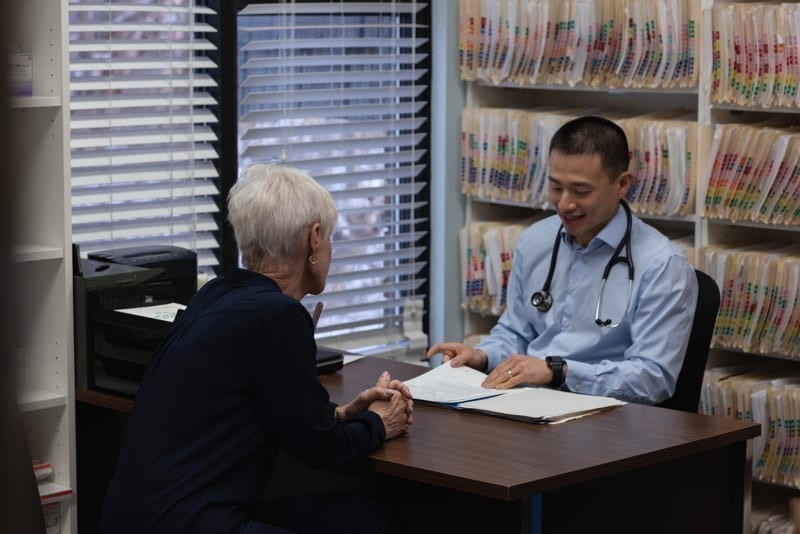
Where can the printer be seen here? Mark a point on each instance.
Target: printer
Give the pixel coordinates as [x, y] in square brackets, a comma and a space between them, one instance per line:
[113, 347]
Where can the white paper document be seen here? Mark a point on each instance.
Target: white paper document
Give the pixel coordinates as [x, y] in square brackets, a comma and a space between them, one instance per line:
[162, 312]
[460, 388]
[541, 405]
[448, 385]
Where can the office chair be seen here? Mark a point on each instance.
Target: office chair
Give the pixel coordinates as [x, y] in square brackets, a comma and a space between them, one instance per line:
[690, 380]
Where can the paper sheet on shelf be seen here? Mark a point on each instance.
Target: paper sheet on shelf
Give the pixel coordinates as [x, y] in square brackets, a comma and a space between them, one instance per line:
[162, 312]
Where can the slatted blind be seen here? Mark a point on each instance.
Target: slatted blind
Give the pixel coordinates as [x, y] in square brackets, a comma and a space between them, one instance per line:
[142, 158]
[339, 89]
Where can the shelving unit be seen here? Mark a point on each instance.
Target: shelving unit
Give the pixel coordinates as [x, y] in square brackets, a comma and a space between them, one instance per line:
[641, 101]
[636, 101]
[41, 258]
[705, 230]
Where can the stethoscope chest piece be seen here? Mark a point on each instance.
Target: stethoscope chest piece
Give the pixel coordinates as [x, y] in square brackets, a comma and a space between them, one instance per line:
[542, 300]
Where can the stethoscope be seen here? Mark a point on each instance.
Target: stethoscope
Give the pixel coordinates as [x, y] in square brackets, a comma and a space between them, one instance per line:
[542, 300]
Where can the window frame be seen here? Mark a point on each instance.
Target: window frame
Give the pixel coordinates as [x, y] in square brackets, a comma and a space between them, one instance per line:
[371, 342]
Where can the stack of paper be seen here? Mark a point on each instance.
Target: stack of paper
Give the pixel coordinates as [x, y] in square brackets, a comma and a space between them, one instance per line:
[759, 296]
[753, 174]
[460, 388]
[505, 152]
[755, 54]
[486, 250]
[769, 395]
[616, 43]
[663, 162]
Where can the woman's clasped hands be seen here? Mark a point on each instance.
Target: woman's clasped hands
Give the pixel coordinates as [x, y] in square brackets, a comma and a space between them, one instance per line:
[390, 399]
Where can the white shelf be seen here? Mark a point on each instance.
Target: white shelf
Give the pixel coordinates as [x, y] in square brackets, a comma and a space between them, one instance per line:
[757, 109]
[31, 400]
[30, 102]
[595, 89]
[754, 224]
[23, 253]
[42, 264]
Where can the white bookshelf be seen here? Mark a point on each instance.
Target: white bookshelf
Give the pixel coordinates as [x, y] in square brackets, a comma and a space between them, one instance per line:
[697, 100]
[41, 260]
[705, 230]
[482, 94]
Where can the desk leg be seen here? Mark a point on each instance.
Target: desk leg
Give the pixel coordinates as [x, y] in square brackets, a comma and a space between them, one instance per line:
[747, 488]
[532, 514]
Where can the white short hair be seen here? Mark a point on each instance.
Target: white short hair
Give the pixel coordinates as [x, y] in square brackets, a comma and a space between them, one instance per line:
[271, 208]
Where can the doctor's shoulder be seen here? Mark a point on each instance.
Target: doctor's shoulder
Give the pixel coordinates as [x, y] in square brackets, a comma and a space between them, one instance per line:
[649, 243]
[543, 229]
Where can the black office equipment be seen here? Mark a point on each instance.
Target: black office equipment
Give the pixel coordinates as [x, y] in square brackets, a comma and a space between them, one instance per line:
[113, 348]
[177, 281]
[329, 360]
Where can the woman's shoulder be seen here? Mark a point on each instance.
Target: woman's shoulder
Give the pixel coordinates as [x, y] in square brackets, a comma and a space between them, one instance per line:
[246, 292]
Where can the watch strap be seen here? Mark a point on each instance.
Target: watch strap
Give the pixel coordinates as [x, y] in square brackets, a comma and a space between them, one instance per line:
[556, 364]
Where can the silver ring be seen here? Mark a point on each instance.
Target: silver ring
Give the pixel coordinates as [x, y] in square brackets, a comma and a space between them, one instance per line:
[510, 374]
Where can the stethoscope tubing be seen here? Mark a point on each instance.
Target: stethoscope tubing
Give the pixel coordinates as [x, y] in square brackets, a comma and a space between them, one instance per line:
[543, 300]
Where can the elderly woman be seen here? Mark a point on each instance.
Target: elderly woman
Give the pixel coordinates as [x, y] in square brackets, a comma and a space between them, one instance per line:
[235, 382]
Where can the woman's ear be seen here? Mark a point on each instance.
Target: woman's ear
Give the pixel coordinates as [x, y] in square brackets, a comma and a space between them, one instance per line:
[314, 237]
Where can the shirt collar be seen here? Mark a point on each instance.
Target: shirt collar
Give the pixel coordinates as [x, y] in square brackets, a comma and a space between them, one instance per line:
[611, 234]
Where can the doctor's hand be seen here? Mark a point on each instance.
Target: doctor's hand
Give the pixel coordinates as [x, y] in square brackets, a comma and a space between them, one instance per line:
[519, 369]
[459, 354]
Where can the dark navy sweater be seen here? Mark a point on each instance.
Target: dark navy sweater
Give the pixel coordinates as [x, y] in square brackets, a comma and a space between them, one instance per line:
[234, 382]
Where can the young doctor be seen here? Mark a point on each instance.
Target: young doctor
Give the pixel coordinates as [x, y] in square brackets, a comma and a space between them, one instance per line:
[598, 301]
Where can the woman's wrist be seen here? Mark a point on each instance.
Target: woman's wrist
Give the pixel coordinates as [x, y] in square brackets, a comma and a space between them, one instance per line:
[341, 415]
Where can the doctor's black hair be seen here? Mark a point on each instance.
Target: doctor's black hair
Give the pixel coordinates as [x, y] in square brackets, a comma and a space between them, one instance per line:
[594, 135]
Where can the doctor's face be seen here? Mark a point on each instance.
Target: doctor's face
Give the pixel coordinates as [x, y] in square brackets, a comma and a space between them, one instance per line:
[584, 195]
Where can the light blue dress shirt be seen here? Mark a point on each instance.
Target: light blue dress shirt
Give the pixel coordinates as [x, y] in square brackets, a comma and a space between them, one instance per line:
[639, 361]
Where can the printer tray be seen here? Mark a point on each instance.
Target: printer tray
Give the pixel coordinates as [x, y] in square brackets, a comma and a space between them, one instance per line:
[329, 360]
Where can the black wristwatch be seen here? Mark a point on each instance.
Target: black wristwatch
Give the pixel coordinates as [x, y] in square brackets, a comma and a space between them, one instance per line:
[556, 364]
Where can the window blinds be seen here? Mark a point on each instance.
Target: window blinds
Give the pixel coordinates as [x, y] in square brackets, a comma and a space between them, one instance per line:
[339, 89]
[142, 133]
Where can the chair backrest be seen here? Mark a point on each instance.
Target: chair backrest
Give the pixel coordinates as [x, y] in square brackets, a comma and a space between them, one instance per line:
[690, 380]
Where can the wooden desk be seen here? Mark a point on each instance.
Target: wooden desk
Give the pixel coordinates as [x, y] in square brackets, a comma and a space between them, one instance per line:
[105, 399]
[631, 469]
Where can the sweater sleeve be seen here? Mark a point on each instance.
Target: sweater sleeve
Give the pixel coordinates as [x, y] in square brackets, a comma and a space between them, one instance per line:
[297, 406]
